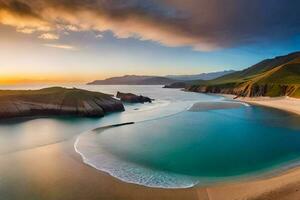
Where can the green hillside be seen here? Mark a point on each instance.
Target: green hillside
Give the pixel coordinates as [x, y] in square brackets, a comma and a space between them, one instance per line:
[56, 101]
[279, 76]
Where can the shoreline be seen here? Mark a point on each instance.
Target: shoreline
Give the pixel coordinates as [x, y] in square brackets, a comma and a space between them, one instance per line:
[288, 104]
[273, 185]
[69, 178]
[279, 184]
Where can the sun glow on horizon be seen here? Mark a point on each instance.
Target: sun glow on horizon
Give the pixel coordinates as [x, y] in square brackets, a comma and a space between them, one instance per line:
[21, 77]
[39, 78]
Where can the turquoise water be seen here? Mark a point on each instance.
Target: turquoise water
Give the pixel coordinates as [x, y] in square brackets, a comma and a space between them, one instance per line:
[168, 146]
[24, 134]
[196, 147]
[185, 148]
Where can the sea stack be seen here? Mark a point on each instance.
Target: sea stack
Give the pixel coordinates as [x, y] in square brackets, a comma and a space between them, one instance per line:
[132, 98]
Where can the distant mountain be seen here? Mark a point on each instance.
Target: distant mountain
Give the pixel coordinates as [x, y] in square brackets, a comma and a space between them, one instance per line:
[279, 76]
[203, 76]
[157, 80]
[134, 80]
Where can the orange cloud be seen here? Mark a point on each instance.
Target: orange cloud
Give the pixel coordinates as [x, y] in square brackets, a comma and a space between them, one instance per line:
[87, 18]
[49, 36]
[61, 46]
[25, 24]
[201, 24]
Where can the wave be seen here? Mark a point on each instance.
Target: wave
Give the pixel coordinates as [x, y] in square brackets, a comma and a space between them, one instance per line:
[97, 157]
[127, 171]
[130, 172]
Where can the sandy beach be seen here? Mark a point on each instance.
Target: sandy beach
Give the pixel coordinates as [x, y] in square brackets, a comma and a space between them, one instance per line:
[284, 186]
[56, 172]
[283, 103]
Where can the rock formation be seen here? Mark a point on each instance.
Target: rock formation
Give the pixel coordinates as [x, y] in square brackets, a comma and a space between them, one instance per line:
[56, 101]
[132, 98]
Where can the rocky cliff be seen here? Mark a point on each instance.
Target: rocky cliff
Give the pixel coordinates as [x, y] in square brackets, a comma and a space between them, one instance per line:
[56, 101]
[271, 90]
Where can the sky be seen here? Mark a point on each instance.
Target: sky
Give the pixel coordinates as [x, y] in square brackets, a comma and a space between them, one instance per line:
[83, 40]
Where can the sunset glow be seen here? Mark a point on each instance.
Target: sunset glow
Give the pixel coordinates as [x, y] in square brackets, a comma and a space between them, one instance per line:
[80, 41]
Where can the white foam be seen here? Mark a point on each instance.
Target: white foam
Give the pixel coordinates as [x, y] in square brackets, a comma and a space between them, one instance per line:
[127, 171]
[240, 102]
[94, 156]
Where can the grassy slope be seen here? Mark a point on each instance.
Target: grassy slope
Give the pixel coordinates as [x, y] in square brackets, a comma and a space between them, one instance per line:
[56, 101]
[274, 73]
[255, 70]
[51, 94]
[287, 74]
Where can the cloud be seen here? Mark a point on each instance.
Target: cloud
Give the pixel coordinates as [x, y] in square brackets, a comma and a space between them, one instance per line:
[71, 28]
[49, 36]
[202, 24]
[20, 15]
[26, 30]
[61, 46]
[99, 36]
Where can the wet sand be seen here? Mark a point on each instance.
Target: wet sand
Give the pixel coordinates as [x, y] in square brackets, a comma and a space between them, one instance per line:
[205, 106]
[56, 172]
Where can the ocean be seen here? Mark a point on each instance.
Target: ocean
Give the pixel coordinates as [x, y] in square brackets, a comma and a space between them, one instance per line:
[168, 146]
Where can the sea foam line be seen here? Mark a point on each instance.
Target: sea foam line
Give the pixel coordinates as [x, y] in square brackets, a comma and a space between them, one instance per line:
[137, 181]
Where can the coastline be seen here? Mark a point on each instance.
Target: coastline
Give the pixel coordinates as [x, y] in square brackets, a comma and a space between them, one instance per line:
[288, 104]
[282, 184]
[279, 186]
[69, 178]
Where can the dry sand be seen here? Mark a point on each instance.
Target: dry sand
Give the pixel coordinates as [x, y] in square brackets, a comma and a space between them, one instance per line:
[281, 187]
[283, 103]
[56, 172]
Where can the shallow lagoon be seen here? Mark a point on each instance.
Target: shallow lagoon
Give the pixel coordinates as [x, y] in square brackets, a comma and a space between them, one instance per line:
[168, 146]
[190, 148]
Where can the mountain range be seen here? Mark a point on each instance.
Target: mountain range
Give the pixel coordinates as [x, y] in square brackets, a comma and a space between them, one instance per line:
[157, 80]
[202, 76]
[279, 76]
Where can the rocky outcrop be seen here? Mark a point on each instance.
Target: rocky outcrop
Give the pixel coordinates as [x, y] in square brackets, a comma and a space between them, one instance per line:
[250, 90]
[176, 85]
[56, 101]
[132, 98]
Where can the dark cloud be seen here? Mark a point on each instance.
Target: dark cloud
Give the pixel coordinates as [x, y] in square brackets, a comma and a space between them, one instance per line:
[202, 24]
[21, 8]
[17, 7]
